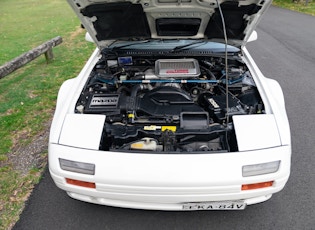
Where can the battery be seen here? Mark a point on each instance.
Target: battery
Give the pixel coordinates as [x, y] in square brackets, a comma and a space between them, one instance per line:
[216, 106]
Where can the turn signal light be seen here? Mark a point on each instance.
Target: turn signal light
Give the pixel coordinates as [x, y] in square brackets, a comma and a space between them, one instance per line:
[257, 185]
[81, 183]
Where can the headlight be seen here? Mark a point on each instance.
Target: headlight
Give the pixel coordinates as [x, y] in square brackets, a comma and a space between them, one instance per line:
[78, 167]
[259, 169]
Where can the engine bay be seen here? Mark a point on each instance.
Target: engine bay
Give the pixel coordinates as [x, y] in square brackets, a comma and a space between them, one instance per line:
[169, 104]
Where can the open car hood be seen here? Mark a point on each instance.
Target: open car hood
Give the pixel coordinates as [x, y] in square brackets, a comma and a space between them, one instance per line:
[108, 20]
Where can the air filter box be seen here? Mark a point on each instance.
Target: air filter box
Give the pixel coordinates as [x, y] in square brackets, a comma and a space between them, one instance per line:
[103, 103]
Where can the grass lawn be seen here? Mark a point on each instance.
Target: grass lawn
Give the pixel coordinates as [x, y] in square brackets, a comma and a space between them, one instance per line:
[298, 5]
[27, 96]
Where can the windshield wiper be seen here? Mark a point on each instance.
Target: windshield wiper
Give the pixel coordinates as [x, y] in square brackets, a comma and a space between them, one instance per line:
[177, 48]
[130, 44]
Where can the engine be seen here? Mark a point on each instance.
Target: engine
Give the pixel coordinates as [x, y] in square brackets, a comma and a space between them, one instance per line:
[171, 105]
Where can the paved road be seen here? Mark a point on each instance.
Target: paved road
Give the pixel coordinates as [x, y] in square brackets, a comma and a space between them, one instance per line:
[285, 51]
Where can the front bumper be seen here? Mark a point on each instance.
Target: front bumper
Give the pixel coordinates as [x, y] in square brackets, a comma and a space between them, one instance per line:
[167, 181]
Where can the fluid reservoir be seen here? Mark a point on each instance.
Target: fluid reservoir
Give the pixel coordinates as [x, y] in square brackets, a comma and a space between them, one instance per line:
[146, 143]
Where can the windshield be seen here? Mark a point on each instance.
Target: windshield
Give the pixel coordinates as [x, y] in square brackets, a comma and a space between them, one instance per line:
[174, 45]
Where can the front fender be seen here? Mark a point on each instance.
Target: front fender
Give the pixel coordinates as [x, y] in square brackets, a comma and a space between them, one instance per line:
[63, 101]
[277, 93]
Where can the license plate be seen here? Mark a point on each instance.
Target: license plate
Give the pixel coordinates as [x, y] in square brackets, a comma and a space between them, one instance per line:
[217, 205]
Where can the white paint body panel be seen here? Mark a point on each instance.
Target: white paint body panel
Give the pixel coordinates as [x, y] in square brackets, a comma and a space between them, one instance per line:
[256, 132]
[165, 181]
[77, 126]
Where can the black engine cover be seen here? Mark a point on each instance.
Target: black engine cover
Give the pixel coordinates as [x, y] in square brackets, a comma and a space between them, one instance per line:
[166, 101]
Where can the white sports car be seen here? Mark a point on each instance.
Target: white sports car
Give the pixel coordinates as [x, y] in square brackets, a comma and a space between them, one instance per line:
[170, 112]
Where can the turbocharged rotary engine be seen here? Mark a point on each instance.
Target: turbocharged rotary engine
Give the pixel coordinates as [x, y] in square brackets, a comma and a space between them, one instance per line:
[173, 105]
